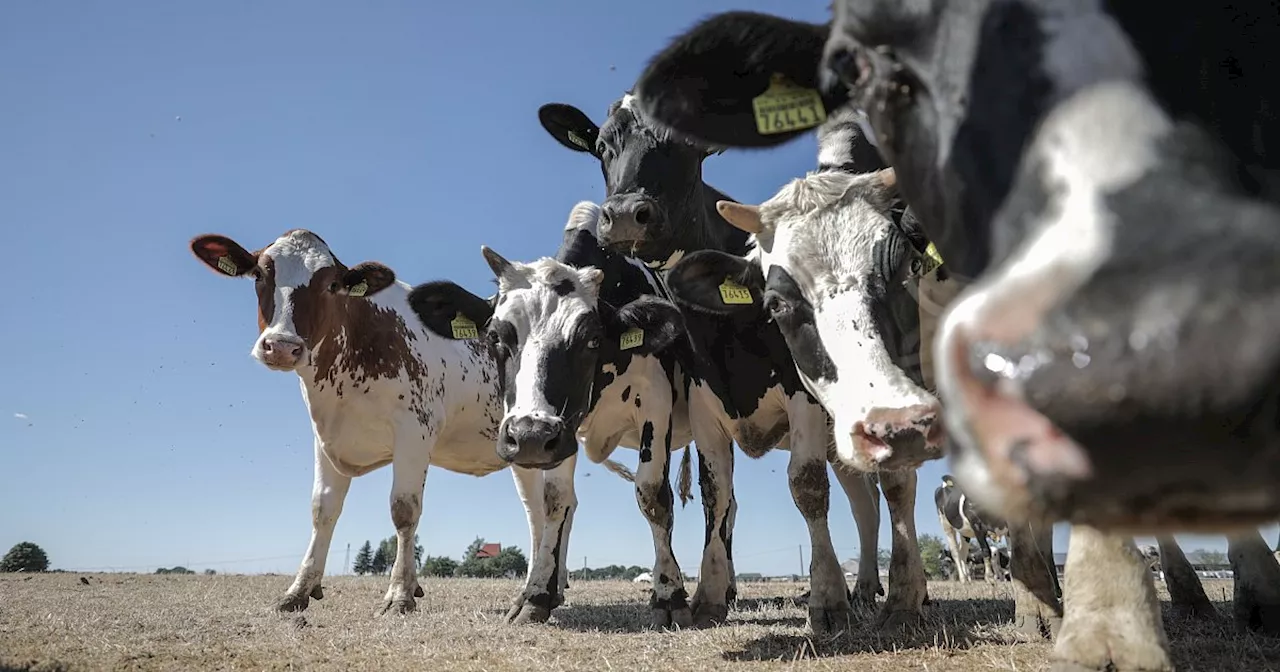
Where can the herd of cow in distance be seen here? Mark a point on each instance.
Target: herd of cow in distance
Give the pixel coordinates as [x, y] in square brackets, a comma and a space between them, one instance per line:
[1040, 242]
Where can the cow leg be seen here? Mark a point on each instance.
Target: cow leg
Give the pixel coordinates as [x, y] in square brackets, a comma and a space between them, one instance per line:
[409, 466]
[1037, 611]
[731, 519]
[984, 546]
[529, 489]
[1185, 590]
[1257, 583]
[327, 495]
[669, 602]
[864, 499]
[715, 480]
[907, 585]
[811, 490]
[1112, 620]
[960, 561]
[549, 572]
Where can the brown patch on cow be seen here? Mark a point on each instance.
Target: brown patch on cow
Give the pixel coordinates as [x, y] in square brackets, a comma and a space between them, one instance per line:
[264, 284]
[755, 441]
[811, 490]
[403, 510]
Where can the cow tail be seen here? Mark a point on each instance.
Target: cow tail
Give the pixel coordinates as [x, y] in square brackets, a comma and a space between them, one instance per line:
[621, 470]
[684, 482]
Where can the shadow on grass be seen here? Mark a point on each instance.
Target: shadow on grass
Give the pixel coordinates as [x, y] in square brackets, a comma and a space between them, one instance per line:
[948, 624]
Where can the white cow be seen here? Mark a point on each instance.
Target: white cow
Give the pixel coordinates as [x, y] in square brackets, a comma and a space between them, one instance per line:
[381, 389]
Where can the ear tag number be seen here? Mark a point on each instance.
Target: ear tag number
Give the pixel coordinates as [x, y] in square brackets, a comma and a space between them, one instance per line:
[932, 253]
[358, 289]
[731, 293]
[463, 327]
[577, 140]
[631, 338]
[786, 107]
[227, 266]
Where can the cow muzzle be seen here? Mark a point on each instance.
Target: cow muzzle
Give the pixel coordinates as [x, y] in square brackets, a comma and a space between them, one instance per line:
[630, 220]
[898, 438]
[536, 441]
[280, 352]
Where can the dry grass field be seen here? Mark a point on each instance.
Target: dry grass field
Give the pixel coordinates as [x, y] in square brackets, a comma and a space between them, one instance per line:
[142, 622]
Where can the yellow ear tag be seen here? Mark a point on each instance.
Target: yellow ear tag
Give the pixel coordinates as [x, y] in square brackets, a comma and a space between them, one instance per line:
[359, 289]
[732, 293]
[577, 140]
[932, 251]
[786, 107]
[631, 338]
[227, 266]
[463, 327]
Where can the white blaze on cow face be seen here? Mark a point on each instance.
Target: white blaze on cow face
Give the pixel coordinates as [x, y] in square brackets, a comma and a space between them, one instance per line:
[288, 267]
[545, 331]
[839, 284]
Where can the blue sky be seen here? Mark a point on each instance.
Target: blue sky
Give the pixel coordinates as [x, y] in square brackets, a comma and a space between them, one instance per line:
[135, 430]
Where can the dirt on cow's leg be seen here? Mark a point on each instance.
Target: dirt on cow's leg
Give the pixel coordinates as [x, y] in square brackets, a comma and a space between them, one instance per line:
[1186, 593]
[1037, 609]
[1257, 584]
[1112, 621]
[907, 585]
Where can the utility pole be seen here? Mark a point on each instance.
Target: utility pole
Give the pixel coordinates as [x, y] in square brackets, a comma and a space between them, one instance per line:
[800, 548]
[346, 564]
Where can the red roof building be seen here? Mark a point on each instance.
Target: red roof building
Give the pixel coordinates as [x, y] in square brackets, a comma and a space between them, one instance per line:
[489, 551]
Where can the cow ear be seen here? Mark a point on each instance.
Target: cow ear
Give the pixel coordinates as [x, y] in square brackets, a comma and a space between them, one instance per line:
[569, 126]
[716, 282]
[223, 255]
[645, 326]
[366, 279]
[704, 84]
[448, 310]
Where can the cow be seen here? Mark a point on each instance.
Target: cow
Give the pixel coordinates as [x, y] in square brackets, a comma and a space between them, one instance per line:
[853, 352]
[1256, 590]
[992, 137]
[380, 389]
[1000, 563]
[962, 522]
[633, 389]
[583, 354]
[657, 209]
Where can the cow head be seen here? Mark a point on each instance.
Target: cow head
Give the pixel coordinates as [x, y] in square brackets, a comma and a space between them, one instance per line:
[836, 275]
[550, 333]
[655, 207]
[304, 293]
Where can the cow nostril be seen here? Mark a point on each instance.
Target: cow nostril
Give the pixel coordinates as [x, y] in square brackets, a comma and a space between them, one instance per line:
[643, 214]
[266, 346]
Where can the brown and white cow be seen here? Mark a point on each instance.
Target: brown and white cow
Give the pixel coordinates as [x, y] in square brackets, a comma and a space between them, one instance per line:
[381, 389]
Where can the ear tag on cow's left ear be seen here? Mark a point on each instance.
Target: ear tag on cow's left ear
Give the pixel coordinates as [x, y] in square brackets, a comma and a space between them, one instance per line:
[463, 327]
[786, 107]
[358, 289]
[631, 338]
[731, 293]
[932, 251]
[227, 266]
[577, 140]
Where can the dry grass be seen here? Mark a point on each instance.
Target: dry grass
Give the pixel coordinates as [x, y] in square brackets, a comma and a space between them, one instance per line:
[139, 622]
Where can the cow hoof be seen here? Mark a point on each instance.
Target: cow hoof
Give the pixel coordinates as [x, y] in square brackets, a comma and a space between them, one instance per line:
[294, 602]
[898, 620]
[680, 617]
[865, 592]
[1108, 647]
[829, 620]
[398, 606]
[710, 615]
[317, 593]
[529, 613]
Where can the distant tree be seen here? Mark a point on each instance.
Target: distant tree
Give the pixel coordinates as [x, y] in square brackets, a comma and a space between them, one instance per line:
[1210, 557]
[389, 546]
[364, 560]
[884, 558]
[25, 557]
[439, 565]
[210, 572]
[510, 561]
[633, 571]
[175, 570]
[379, 565]
[930, 553]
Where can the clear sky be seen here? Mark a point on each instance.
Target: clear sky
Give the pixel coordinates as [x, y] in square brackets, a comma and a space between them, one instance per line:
[135, 430]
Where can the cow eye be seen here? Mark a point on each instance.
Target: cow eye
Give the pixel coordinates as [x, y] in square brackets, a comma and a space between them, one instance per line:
[593, 343]
[917, 266]
[333, 287]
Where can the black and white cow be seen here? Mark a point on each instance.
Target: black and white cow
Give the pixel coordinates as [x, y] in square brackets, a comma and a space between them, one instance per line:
[586, 353]
[962, 523]
[1000, 561]
[742, 382]
[1058, 152]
